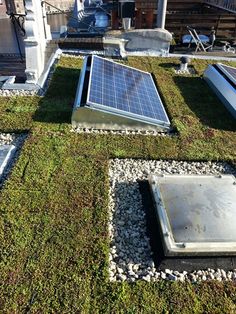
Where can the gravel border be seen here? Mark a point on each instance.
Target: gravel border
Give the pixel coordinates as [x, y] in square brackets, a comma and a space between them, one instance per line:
[130, 256]
[123, 132]
[38, 91]
[10, 93]
[190, 71]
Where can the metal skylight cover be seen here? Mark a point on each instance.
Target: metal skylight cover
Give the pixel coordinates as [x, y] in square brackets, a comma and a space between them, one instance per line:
[196, 213]
[125, 91]
[222, 79]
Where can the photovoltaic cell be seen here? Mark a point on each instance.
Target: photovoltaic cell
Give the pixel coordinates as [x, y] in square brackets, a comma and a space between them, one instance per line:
[120, 89]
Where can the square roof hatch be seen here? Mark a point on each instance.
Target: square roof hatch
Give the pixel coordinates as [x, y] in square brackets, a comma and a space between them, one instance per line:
[196, 214]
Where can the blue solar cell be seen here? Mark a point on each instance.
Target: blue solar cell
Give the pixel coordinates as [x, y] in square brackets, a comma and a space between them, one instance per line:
[124, 89]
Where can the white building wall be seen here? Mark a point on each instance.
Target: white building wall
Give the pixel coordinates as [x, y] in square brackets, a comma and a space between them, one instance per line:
[36, 40]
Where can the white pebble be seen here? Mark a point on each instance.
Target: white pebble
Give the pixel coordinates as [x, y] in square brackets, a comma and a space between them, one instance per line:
[130, 252]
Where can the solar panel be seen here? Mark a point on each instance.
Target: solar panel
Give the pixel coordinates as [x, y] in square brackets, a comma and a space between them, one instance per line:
[123, 90]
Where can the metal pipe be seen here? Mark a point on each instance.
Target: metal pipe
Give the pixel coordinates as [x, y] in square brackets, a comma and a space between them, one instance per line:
[161, 13]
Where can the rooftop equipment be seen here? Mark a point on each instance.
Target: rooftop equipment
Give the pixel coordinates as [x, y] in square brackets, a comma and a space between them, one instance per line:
[153, 40]
[196, 214]
[222, 80]
[184, 64]
[126, 12]
[114, 96]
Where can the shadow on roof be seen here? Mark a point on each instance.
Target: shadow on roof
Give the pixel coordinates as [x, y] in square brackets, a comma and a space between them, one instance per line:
[204, 103]
[57, 105]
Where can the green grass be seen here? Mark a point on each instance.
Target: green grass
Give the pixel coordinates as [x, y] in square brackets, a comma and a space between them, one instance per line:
[53, 208]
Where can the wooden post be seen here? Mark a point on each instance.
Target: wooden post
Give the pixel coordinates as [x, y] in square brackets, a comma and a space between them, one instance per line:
[114, 19]
[138, 18]
[149, 18]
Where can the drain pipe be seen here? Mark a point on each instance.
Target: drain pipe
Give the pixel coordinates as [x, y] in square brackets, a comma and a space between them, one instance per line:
[161, 13]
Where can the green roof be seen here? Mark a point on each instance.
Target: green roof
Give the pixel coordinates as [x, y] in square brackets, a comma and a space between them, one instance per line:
[54, 206]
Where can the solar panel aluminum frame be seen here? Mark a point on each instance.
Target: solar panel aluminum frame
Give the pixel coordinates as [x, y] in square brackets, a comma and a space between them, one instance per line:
[122, 113]
[80, 85]
[185, 248]
[222, 68]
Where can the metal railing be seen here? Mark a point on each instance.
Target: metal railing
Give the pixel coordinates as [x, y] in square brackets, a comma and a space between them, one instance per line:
[18, 21]
[228, 5]
[70, 15]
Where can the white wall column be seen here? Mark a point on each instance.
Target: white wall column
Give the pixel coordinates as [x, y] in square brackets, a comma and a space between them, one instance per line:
[35, 42]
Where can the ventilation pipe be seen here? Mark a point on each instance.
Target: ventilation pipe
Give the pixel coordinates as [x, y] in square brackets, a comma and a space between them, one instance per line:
[184, 61]
[161, 13]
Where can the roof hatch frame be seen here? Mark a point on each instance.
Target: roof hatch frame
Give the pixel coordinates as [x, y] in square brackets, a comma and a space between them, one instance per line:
[185, 248]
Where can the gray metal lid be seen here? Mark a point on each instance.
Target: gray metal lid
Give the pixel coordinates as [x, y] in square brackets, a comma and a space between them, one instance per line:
[197, 214]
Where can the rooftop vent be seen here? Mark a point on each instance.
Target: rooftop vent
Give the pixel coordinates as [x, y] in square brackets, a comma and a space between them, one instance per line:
[184, 61]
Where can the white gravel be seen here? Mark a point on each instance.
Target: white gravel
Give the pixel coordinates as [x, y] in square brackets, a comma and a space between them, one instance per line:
[130, 256]
[122, 132]
[73, 55]
[38, 91]
[10, 138]
[190, 71]
[10, 93]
